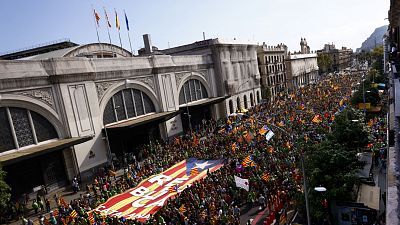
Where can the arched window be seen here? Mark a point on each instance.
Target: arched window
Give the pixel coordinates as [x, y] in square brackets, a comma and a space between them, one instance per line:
[192, 90]
[231, 107]
[125, 104]
[238, 103]
[251, 99]
[258, 97]
[245, 102]
[22, 127]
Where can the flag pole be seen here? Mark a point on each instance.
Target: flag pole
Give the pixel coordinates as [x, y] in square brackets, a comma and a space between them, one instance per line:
[118, 27]
[129, 37]
[108, 31]
[96, 24]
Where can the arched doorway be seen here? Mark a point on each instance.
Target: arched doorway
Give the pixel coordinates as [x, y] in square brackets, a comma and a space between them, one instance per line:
[23, 129]
[124, 106]
[251, 99]
[238, 106]
[245, 101]
[192, 91]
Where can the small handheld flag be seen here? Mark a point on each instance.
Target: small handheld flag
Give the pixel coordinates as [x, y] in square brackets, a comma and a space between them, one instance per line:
[173, 189]
[265, 177]
[73, 214]
[194, 171]
[182, 209]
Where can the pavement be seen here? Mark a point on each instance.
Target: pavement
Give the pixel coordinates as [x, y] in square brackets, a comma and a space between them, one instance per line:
[379, 175]
[254, 214]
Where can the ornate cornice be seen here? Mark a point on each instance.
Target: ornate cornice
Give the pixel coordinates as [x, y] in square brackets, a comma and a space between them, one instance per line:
[44, 95]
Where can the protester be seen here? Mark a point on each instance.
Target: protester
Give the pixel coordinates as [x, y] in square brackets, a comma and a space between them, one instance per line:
[306, 114]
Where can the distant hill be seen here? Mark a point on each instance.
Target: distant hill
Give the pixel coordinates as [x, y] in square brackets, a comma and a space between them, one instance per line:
[374, 40]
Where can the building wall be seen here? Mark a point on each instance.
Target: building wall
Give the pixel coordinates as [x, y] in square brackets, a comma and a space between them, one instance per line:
[72, 93]
[235, 68]
[272, 68]
[302, 69]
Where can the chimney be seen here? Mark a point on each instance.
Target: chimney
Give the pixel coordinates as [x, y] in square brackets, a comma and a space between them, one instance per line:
[147, 43]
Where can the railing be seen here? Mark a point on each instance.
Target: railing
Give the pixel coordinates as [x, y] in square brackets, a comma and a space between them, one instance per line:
[35, 46]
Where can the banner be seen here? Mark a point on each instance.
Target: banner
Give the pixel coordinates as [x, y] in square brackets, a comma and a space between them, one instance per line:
[151, 194]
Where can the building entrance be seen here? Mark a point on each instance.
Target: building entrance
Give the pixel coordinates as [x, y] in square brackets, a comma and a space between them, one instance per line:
[26, 175]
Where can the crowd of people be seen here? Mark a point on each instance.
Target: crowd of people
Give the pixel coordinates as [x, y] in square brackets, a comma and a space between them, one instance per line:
[304, 115]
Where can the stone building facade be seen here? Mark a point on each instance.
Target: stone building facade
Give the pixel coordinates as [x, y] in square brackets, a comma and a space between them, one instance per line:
[301, 67]
[272, 68]
[78, 112]
[235, 67]
[341, 59]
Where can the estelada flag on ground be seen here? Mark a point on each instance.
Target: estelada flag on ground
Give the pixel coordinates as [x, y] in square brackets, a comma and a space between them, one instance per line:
[151, 194]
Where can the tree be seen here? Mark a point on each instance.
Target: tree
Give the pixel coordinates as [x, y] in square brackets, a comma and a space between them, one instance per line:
[349, 130]
[377, 59]
[333, 163]
[324, 62]
[5, 191]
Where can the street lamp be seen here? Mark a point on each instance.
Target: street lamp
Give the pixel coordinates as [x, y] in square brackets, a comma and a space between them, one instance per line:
[320, 189]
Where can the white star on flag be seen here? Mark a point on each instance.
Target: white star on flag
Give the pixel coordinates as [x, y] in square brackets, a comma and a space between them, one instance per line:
[202, 165]
[242, 183]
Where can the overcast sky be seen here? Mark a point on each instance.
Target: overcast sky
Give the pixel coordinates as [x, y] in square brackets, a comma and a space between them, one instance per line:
[177, 22]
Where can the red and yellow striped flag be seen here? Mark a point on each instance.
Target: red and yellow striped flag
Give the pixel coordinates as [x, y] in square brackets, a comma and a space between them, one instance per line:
[73, 214]
[182, 209]
[91, 218]
[173, 189]
[194, 171]
[96, 16]
[265, 177]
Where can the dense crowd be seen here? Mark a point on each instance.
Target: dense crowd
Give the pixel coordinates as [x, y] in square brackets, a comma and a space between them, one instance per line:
[304, 115]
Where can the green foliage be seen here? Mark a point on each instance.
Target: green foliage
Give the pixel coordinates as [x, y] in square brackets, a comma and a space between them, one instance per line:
[349, 129]
[371, 94]
[324, 62]
[377, 59]
[333, 163]
[5, 191]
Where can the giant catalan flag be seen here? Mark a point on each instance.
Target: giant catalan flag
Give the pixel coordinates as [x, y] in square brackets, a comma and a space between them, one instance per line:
[151, 194]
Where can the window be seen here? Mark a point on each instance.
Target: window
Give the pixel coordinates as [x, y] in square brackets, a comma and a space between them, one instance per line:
[6, 140]
[28, 127]
[192, 90]
[43, 128]
[125, 104]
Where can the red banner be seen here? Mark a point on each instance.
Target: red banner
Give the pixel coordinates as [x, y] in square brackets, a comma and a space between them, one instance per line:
[151, 194]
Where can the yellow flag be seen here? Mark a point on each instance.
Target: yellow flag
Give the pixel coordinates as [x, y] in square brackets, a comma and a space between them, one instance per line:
[117, 21]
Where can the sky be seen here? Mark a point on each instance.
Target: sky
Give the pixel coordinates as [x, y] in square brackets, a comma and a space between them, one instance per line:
[177, 22]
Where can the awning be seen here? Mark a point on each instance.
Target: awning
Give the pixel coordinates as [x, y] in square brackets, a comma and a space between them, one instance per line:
[163, 116]
[206, 101]
[41, 149]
